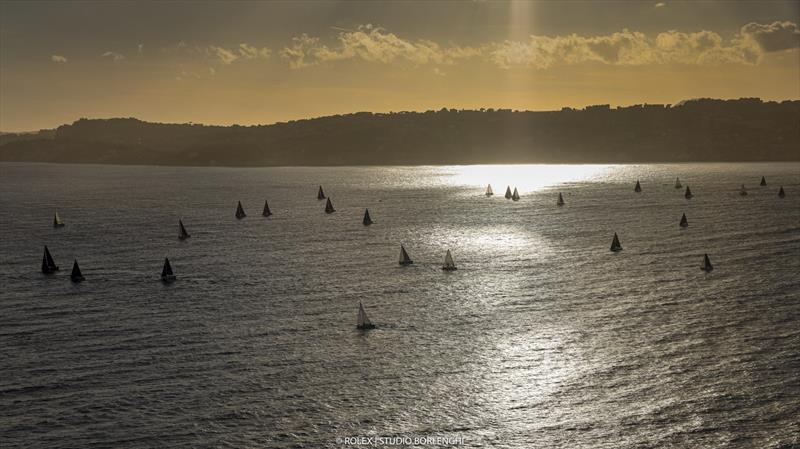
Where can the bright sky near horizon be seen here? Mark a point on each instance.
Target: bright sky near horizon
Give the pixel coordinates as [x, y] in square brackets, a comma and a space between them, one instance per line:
[262, 62]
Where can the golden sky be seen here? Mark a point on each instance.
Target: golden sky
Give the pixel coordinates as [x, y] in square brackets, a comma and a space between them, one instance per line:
[262, 62]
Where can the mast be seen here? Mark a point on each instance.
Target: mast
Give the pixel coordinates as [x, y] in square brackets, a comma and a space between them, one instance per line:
[329, 207]
[684, 222]
[266, 211]
[320, 194]
[615, 245]
[76, 275]
[560, 201]
[240, 211]
[404, 259]
[638, 187]
[367, 220]
[182, 234]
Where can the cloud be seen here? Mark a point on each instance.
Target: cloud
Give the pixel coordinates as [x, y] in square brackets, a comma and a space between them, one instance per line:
[113, 55]
[372, 44]
[242, 52]
[58, 58]
[776, 36]
[660, 5]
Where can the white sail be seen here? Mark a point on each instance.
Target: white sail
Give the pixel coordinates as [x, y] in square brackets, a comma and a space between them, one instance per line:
[57, 223]
[449, 264]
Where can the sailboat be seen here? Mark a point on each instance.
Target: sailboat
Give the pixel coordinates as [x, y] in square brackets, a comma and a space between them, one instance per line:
[781, 193]
[615, 245]
[763, 181]
[560, 201]
[182, 234]
[57, 223]
[706, 264]
[449, 265]
[240, 211]
[638, 187]
[678, 183]
[166, 272]
[508, 192]
[266, 212]
[320, 194]
[743, 191]
[367, 220]
[76, 275]
[329, 207]
[489, 190]
[404, 259]
[684, 222]
[688, 193]
[48, 264]
[515, 195]
[363, 321]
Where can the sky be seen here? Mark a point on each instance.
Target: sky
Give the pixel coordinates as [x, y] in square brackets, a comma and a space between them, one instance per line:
[264, 62]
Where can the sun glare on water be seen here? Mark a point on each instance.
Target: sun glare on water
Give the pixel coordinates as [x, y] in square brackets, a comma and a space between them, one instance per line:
[526, 178]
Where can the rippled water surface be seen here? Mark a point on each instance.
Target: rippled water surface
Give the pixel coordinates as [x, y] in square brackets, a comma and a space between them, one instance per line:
[542, 338]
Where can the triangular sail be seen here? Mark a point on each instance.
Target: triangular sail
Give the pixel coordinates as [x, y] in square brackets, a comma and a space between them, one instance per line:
[678, 183]
[560, 201]
[615, 245]
[489, 191]
[57, 223]
[781, 193]
[329, 207]
[638, 187]
[449, 264]
[515, 195]
[182, 234]
[707, 263]
[363, 319]
[240, 211]
[76, 275]
[763, 181]
[48, 260]
[404, 259]
[688, 193]
[266, 211]
[166, 272]
[508, 192]
[320, 194]
[367, 220]
[684, 222]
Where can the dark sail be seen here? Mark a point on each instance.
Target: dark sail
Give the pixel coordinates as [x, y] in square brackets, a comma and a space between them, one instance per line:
[320, 194]
[367, 219]
[560, 201]
[48, 264]
[763, 181]
[743, 191]
[449, 264]
[781, 193]
[508, 192]
[489, 191]
[615, 245]
[363, 322]
[57, 223]
[688, 193]
[515, 195]
[166, 272]
[707, 264]
[182, 234]
[638, 187]
[266, 211]
[329, 207]
[76, 275]
[404, 259]
[240, 211]
[678, 183]
[684, 222]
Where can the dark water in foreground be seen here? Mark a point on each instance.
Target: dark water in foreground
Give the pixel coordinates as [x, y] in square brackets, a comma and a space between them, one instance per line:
[542, 338]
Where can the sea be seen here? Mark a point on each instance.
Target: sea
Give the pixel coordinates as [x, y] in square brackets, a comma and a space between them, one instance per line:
[542, 338]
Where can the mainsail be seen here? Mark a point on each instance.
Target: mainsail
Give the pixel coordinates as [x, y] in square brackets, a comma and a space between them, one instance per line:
[615, 245]
[743, 191]
[489, 190]
[638, 187]
[363, 321]
[404, 259]
[320, 194]
[367, 220]
[781, 193]
[707, 264]
[560, 201]
[508, 192]
[329, 207]
[763, 181]
[240, 211]
[688, 193]
[449, 265]
[678, 183]
[182, 234]
[515, 195]
[76, 275]
[684, 222]
[266, 211]
[57, 223]
[48, 264]
[166, 272]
